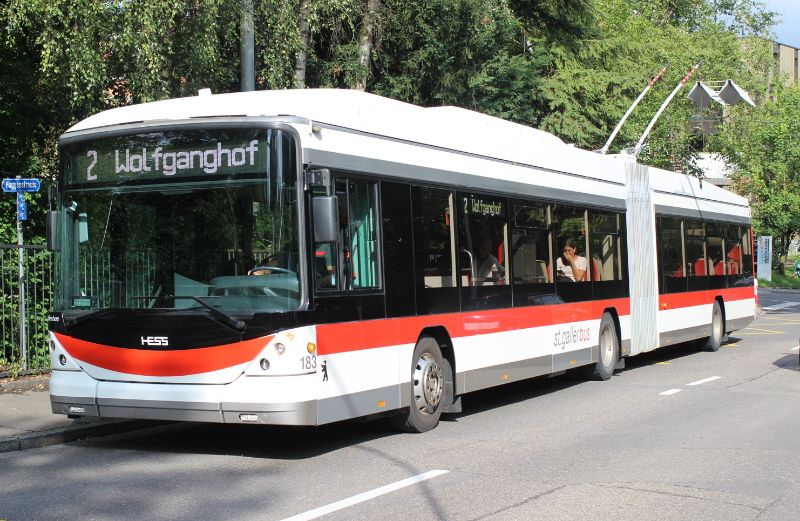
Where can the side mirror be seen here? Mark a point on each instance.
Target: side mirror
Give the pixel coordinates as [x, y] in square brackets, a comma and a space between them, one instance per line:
[326, 218]
[50, 230]
[83, 228]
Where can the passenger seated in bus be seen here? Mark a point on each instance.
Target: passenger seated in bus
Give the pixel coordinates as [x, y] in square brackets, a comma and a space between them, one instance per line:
[570, 267]
[489, 270]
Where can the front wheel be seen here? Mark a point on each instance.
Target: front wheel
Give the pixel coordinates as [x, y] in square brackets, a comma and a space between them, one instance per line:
[608, 351]
[427, 388]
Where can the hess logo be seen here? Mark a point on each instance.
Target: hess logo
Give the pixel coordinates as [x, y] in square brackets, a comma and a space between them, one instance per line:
[155, 341]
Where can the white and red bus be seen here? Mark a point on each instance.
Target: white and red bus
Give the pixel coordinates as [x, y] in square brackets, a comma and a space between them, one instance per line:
[304, 257]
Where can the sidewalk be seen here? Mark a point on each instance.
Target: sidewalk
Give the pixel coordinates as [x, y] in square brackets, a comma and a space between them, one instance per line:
[27, 422]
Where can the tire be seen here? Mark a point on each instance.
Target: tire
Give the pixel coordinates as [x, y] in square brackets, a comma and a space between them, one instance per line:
[427, 388]
[714, 341]
[608, 351]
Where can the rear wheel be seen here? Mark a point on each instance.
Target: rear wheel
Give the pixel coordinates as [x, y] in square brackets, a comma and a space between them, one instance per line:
[714, 341]
[608, 351]
[427, 388]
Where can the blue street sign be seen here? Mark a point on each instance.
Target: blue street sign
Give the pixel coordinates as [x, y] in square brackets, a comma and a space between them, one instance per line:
[21, 185]
[22, 207]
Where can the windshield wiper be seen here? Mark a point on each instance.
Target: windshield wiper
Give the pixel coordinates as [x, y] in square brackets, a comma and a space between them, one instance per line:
[74, 321]
[233, 323]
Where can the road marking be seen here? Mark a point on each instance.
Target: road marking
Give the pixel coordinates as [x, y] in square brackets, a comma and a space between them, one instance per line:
[731, 345]
[663, 363]
[365, 496]
[705, 380]
[782, 305]
[670, 392]
[764, 331]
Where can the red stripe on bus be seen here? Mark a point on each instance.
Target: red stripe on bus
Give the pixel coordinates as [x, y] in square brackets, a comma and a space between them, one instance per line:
[698, 298]
[370, 334]
[163, 363]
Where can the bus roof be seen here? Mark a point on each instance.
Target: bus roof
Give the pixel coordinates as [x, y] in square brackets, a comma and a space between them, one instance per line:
[447, 127]
[346, 108]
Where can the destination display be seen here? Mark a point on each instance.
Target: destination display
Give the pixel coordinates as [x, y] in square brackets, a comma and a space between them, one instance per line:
[169, 154]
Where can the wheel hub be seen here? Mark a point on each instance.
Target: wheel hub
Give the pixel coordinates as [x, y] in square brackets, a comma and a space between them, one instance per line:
[428, 383]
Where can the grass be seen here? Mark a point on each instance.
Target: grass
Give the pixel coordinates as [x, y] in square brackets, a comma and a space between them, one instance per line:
[781, 280]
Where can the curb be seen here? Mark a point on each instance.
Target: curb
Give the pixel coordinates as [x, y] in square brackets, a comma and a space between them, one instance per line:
[40, 383]
[72, 433]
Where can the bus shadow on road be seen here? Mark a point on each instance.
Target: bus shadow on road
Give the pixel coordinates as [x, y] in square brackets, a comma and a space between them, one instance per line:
[496, 397]
[667, 354]
[523, 390]
[255, 441]
[789, 362]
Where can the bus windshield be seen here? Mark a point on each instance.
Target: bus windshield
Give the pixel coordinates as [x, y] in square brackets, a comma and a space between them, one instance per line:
[182, 220]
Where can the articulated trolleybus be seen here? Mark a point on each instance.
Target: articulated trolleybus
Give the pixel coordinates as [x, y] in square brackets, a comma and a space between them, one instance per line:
[304, 257]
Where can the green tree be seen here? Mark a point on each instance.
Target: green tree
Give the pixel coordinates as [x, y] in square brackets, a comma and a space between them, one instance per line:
[592, 84]
[764, 145]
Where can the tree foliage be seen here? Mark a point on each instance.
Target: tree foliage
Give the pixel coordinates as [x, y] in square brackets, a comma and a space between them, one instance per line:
[764, 144]
[571, 67]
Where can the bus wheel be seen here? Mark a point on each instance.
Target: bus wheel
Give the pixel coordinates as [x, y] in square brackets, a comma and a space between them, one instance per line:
[427, 388]
[608, 351]
[714, 341]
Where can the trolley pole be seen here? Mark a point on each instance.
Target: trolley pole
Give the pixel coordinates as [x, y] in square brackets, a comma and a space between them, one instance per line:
[655, 79]
[663, 106]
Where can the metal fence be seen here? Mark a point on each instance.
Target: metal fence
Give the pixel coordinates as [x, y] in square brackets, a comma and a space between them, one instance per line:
[24, 346]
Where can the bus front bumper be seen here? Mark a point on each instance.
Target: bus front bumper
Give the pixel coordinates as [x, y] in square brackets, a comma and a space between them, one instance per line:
[75, 393]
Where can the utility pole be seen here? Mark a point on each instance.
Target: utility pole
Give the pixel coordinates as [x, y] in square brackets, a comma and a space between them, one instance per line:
[247, 46]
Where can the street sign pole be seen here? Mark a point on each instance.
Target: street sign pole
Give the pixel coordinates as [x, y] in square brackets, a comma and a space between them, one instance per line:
[20, 186]
[23, 345]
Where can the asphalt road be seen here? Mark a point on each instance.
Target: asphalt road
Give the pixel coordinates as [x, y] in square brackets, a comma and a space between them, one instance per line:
[680, 434]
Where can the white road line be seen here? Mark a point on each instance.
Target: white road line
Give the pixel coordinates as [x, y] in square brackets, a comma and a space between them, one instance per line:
[365, 496]
[705, 380]
[670, 392]
[781, 306]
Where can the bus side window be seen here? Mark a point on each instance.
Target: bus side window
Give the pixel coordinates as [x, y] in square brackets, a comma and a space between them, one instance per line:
[572, 263]
[362, 197]
[352, 263]
[671, 255]
[482, 238]
[605, 244]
